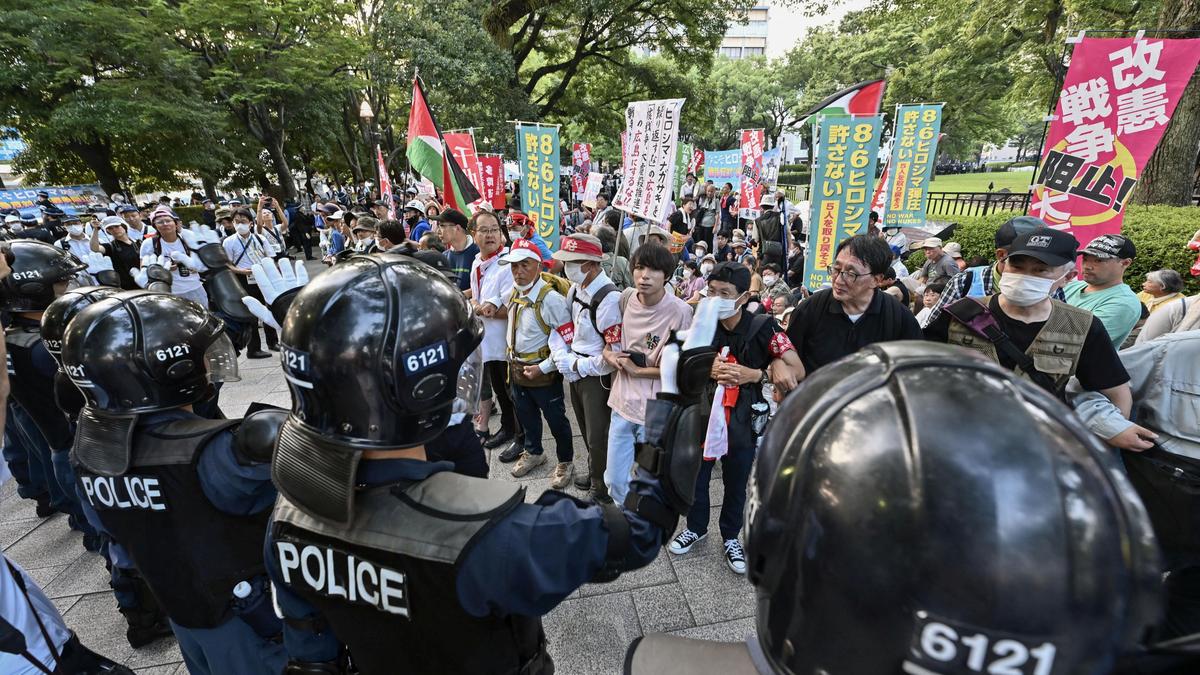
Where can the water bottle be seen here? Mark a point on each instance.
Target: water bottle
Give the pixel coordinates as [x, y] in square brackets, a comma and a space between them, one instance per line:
[252, 604]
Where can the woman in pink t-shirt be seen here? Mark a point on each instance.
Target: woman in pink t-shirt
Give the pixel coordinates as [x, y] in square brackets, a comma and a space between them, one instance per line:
[648, 315]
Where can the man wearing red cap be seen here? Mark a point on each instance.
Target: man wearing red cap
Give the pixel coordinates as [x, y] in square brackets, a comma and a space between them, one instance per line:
[595, 306]
[539, 329]
[520, 226]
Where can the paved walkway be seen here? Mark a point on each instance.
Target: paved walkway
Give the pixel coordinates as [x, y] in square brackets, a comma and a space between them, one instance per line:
[695, 595]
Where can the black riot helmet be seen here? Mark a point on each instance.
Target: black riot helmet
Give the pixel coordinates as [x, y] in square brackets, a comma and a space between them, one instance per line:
[36, 268]
[63, 309]
[372, 351]
[918, 509]
[140, 352]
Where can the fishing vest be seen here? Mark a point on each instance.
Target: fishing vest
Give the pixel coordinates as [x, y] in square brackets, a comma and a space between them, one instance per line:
[516, 306]
[190, 552]
[387, 584]
[1056, 349]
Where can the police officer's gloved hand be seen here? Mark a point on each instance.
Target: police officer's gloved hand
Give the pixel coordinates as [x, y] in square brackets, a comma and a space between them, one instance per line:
[279, 285]
[154, 274]
[100, 266]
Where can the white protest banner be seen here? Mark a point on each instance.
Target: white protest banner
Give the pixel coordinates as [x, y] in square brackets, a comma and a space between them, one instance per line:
[591, 190]
[652, 132]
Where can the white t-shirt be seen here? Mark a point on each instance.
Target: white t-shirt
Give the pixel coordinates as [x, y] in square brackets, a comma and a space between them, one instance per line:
[183, 279]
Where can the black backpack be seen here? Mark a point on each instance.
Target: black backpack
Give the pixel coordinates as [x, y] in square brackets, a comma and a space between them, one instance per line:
[594, 305]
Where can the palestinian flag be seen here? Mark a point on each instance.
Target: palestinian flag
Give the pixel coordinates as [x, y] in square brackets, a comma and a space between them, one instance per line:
[428, 156]
[864, 98]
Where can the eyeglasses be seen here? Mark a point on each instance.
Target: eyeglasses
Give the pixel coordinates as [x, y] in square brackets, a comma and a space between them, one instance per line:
[851, 276]
[488, 230]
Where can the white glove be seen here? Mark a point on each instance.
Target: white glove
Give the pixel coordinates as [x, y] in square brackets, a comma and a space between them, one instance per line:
[565, 364]
[97, 262]
[197, 236]
[189, 260]
[275, 281]
[139, 273]
[261, 311]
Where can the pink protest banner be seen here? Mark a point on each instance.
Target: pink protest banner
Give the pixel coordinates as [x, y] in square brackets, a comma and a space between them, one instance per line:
[1113, 108]
[462, 146]
[696, 162]
[752, 165]
[581, 165]
[492, 169]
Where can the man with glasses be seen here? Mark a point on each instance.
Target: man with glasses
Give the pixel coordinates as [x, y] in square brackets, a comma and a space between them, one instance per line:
[854, 313]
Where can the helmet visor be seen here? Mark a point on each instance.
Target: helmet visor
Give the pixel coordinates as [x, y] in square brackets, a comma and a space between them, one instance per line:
[221, 360]
[470, 382]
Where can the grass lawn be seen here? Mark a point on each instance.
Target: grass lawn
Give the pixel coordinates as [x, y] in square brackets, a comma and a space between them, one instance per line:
[1016, 181]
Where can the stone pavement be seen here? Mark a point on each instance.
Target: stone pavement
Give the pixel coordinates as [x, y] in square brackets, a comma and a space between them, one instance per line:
[694, 595]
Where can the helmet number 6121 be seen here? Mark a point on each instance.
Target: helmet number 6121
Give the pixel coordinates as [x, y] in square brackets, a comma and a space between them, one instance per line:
[979, 652]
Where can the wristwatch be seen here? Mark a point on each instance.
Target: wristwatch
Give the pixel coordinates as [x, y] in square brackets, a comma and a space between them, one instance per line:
[766, 378]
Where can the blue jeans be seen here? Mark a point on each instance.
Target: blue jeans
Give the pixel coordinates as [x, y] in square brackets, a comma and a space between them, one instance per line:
[531, 404]
[623, 437]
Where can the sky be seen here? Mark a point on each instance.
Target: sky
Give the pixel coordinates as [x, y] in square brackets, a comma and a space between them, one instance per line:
[786, 26]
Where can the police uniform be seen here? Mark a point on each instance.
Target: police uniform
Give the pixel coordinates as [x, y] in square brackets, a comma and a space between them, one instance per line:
[415, 568]
[45, 430]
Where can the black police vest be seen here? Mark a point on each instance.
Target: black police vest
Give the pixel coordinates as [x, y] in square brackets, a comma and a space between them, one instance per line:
[32, 390]
[190, 552]
[387, 583]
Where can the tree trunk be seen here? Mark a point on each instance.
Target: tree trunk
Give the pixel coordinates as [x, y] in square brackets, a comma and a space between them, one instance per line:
[1169, 176]
[98, 158]
[210, 186]
[287, 183]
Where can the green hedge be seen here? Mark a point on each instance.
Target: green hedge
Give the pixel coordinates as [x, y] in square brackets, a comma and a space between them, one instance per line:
[794, 177]
[1160, 234]
[190, 213]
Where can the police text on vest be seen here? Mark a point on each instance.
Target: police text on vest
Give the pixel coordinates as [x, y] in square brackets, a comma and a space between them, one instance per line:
[339, 574]
[124, 492]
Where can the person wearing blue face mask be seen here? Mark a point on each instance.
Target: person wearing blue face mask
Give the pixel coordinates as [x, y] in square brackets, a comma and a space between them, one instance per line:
[1024, 329]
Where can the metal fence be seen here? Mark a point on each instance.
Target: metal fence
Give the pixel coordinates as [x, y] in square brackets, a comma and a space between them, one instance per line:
[975, 203]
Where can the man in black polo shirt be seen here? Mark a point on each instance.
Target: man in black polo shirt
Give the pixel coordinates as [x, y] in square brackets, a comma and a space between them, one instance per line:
[853, 313]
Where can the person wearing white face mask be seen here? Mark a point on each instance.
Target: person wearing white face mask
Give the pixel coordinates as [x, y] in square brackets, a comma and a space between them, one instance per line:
[758, 351]
[245, 249]
[1027, 331]
[76, 242]
[595, 305]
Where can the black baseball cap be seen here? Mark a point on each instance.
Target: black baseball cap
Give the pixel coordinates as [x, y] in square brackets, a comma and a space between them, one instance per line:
[1108, 246]
[451, 215]
[1015, 227]
[1051, 246]
[732, 273]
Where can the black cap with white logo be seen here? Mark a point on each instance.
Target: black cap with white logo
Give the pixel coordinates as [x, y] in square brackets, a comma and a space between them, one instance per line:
[1111, 246]
[1051, 246]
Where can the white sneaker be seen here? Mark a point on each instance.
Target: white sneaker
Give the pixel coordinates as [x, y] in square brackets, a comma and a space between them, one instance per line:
[528, 463]
[735, 557]
[684, 541]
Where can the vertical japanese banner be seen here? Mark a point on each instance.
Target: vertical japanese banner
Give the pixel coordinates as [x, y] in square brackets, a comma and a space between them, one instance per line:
[841, 197]
[1115, 103]
[683, 157]
[538, 152]
[385, 183]
[491, 168]
[581, 166]
[652, 132]
[591, 190]
[752, 165]
[696, 163]
[914, 151]
[723, 166]
[462, 146]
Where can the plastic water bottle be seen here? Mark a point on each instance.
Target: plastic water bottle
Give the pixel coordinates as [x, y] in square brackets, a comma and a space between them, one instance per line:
[252, 605]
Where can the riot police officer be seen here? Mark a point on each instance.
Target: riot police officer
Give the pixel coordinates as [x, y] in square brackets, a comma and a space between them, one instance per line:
[187, 497]
[879, 543]
[415, 568]
[40, 273]
[146, 620]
